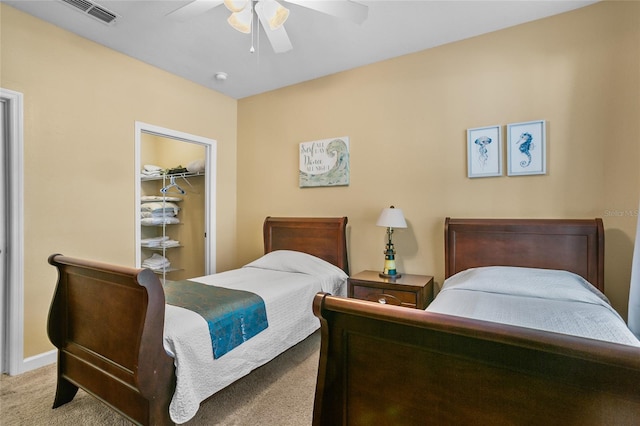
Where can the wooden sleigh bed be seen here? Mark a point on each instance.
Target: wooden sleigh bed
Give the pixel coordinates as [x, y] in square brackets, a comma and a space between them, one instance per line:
[389, 365]
[107, 322]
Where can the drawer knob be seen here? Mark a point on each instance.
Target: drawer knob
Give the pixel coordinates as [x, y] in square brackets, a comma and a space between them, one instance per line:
[385, 299]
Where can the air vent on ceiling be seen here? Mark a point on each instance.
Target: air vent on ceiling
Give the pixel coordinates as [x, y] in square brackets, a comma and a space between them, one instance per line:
[93, 10]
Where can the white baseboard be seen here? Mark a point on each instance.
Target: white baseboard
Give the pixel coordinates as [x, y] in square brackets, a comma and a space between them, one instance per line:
[40, 360]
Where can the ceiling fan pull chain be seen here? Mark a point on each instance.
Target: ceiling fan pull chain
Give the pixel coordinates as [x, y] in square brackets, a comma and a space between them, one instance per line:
[253, 15]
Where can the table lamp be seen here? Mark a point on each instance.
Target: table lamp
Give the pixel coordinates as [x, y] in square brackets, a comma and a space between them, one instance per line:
[390, 218]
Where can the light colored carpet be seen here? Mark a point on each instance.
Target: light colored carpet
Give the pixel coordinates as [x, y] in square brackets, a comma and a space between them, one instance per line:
[279, 393]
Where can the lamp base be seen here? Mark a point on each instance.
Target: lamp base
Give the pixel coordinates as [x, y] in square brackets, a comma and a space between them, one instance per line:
[393, 277]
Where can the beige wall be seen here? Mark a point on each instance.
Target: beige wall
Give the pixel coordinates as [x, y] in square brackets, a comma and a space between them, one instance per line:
[81, 101]
[407, 120]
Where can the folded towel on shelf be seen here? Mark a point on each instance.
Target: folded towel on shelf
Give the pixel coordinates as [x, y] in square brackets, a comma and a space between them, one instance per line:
[156, 259]
[170, 243]
[155, 239]
[151, 168]
[151, 172]
[153, 242]
[156, 262]
[161, 244]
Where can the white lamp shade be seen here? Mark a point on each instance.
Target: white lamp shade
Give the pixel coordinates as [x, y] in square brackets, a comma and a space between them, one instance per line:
[391, 218]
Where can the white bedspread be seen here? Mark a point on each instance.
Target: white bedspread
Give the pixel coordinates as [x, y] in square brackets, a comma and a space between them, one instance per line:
[543, 299]
[287, 282]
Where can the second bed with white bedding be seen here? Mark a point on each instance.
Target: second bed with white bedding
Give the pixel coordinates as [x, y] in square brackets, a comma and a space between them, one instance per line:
[543, 299]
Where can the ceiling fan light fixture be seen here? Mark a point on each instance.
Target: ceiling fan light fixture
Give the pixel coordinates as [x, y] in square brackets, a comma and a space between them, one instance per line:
[275, 12]
[236, 5]
[241, 21]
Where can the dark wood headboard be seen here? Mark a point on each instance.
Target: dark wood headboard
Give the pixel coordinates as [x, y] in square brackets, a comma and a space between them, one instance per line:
[321, 237]
[575, 245]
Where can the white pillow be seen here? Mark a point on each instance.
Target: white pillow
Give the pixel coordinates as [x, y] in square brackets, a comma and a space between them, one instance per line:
[158, 198]
[332, 277]
[196, 166]
[155, 207]
[531, 282]
[294, 261]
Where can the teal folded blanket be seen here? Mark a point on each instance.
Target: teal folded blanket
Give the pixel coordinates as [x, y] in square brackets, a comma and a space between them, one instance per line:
[233, 316]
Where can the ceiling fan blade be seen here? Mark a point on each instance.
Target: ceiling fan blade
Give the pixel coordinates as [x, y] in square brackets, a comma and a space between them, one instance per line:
[345, 9]
[193, 9]
[278, 38]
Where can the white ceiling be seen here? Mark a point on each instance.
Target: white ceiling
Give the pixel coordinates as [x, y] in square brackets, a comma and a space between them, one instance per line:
[201, 46]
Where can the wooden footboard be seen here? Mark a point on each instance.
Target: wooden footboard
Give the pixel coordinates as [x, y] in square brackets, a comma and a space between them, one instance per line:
[388, 365]
[107, 323]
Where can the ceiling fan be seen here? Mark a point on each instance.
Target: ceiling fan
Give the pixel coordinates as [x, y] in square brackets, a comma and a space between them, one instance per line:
[271, 15]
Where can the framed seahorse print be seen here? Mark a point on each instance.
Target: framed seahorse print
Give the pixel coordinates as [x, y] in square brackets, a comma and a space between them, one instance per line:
[484, 152]
[526, 148]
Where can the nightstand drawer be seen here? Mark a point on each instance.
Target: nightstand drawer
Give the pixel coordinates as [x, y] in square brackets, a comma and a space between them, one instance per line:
[410, 291]
[386, 296]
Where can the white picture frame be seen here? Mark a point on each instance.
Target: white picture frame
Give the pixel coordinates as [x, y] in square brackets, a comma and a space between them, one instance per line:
[484, 151]
[526, 148]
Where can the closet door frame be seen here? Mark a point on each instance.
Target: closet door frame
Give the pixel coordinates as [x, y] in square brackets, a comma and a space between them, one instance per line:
[13, 360]
[210, 146]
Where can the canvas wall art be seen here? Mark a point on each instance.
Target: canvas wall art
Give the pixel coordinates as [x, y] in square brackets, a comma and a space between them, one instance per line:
[324, 162]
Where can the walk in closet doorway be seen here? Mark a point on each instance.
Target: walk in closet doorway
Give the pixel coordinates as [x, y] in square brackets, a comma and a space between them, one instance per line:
[175, 208]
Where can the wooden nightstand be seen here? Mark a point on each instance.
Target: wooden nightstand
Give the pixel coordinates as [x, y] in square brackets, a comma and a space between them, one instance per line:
[411, 291]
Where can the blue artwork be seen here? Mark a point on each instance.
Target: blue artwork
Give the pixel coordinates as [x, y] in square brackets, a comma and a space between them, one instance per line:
[324, 163]
[526, 148]
[483, 152]
[526, 145]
